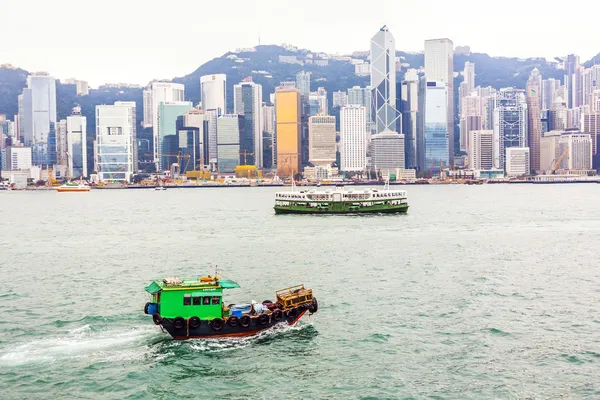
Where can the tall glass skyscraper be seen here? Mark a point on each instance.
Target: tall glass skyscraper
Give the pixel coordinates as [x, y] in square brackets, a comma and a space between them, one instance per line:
[168, 139]
[510, 123]
[114, 146]
[383, 81]
[247, 101]
[436, 127]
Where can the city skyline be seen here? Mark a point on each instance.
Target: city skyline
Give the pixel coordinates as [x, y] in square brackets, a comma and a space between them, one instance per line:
[79, 52]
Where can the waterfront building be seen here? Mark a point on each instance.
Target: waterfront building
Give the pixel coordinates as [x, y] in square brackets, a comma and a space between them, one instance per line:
[230, 131]
[579, 153]
[248, 103]
[340, 99]
[212, 116]
[510, 123]
[194, 129]
[163, 92]
[590, 123]
[148, 110]
[287, 117]
[114, 146]
[549, 150]
[436, 126]
[77, 144]
[439, 67]
[481, 149]
[383, 81]
[534, 123]
[168, 138]
[322, 146]
[409, 109]
[16, 158]
[37, 115]
[213, 90]
[353, 138]
[133, 114]
[387, 151]
[517, 161]
[61, 143]
[269, 138]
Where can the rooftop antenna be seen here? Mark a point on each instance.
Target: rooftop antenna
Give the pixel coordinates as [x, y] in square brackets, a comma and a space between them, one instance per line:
[259, 37]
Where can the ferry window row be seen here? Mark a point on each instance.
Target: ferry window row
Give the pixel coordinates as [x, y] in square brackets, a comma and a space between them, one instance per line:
[188, 300]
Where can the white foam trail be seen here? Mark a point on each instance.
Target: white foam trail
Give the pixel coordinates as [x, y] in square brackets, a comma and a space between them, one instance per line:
[80, 342]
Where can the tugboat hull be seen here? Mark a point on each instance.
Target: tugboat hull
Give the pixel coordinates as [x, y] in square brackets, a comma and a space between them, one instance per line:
[223, 328]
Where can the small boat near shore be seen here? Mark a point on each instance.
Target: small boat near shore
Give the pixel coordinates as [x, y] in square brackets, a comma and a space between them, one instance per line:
[341, 201]
[193, 308]
[73, 187]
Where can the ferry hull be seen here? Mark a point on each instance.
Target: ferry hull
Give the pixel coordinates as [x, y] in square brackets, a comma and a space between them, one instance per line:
[384, 209]
[64, 190]
[205, 330]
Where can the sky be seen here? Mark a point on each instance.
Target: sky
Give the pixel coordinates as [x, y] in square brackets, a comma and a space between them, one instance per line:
[134, 41]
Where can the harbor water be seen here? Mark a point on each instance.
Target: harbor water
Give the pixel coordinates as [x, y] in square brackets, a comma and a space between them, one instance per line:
[478, 292]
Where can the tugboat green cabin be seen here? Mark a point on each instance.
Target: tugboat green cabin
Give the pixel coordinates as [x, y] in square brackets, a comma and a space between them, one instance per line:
[194, 308]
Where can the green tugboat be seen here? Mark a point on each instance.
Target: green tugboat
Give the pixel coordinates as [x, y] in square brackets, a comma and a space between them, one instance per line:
[341, 201]
[193, 308]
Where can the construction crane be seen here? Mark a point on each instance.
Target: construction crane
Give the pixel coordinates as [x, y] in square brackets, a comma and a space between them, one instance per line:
[246, 154]
[557, 163]
[178, 155]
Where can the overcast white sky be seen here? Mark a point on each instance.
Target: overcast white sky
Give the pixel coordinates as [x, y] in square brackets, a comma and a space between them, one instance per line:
[135, 41]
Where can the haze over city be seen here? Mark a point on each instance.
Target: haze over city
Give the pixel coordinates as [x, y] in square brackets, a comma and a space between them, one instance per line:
[137, 41]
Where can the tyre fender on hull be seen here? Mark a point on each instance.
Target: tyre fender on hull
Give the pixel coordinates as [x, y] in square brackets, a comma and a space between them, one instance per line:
[314, 307]
[292, 313]
[194, 322]
[178, 322]
[263, 319]
[245, 321]
[277, 314]
[216, 324]
[156, 318]
[232, 321]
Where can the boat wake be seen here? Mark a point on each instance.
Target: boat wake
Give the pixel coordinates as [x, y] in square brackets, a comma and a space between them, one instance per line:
[82, 342]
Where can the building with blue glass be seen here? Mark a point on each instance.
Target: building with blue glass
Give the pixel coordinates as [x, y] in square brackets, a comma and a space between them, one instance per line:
[436, 140]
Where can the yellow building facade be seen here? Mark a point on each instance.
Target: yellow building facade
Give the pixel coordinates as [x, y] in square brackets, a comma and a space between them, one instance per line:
[287, 118]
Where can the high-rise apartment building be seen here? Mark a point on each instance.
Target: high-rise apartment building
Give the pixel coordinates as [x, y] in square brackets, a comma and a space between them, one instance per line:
[168, 138]
[213, 90]
[148, 110]
[321, 130]
[436, 126]
[481, 146]
[579, 153]
[37, 114]
[510, 123]
[439, 67]
[288, 114]
[558, 115]
[340, 99]
[303, 84]
[469, 77]
[409, 108]
[551, 89]
[534, 123]
[114, 146]
[383, 81]
[247, 101]
[230, 129]
[163, 92]
[353, 138]
[77, 144]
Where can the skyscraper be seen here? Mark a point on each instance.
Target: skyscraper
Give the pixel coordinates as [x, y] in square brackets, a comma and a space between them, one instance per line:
[198, 119]
[247, 101]
[133, 123]
[510, 123]
[148, 111]
[469, 76]
[439, 67]
[409, 108]
[436, 126]
[269, 138]
[76, 143]
[534, 123]
[114, 142]
[38, 118]
[229, 132]
[353, 138]
[61, 143]
[168, 138]
[481, 154]
[303, 84]
[517, 161]
[383, 81]
[361, 97]
[571, 64]
[288, 114]
[321, 130]
[163, 92]
[213, 89]
[387, 152]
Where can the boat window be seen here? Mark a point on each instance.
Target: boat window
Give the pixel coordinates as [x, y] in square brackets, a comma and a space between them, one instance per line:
[206, 301]
[216, 300]
[187, 299]
[197, 300]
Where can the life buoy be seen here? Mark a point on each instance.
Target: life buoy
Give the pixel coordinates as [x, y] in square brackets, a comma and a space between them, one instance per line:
[232, 321]
[277, 314]
[156, 318]
[292, 313]
[216, 324]
[195, 322]
[245, 321]
[263, 319]
[178, 323]
[314, 307]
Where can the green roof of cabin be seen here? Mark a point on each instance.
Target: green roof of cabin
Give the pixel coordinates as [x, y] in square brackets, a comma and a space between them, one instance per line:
[192, 284]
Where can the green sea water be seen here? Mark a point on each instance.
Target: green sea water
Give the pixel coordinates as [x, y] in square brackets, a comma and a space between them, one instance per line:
[479, 292]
